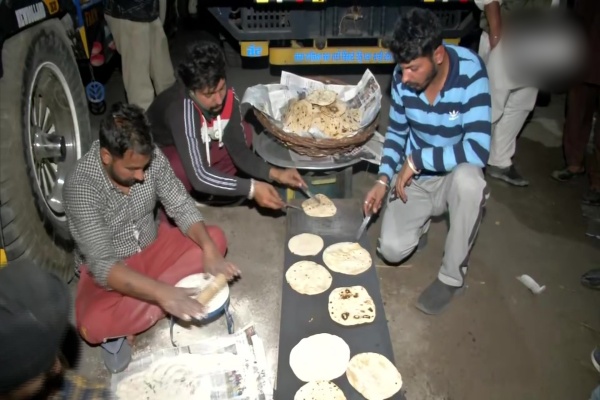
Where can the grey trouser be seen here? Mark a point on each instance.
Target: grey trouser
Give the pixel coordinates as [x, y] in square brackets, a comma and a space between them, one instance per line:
[511, 105]
[462, 193]
[144, 50]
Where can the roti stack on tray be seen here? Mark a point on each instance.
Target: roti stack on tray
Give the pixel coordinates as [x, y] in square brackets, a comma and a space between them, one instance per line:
[323, 110]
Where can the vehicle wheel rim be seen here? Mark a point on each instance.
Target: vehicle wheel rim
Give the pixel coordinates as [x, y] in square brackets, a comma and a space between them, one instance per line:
[53, 133]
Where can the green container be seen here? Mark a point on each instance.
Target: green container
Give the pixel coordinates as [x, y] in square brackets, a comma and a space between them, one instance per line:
[336, 184]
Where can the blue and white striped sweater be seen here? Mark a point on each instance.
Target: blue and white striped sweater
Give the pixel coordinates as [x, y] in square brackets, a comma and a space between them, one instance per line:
[455, 129]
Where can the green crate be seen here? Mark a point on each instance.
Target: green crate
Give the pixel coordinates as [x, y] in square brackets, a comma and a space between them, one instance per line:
[335, 184]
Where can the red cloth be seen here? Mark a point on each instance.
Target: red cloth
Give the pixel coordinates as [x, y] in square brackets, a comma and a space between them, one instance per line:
[102, 314]
[219, 159]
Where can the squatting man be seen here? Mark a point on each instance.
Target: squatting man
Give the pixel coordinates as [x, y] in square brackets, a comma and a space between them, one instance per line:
[435, 147]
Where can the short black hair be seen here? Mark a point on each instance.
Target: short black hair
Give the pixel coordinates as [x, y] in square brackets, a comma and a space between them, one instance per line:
[126, 127]
[203, 67]
[417, 33]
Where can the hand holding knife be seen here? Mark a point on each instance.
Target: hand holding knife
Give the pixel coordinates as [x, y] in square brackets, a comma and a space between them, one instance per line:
[372, 203]
[363, 226]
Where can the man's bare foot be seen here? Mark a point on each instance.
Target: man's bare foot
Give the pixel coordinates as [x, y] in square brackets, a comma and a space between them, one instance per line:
[131, 340]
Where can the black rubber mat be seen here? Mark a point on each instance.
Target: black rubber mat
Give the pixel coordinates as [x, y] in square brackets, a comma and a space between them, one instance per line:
[303, 315]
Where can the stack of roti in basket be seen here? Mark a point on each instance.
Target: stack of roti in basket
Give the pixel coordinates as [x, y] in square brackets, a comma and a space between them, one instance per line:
[323, 110]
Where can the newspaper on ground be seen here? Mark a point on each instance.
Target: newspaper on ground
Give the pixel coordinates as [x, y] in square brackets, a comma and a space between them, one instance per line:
[274, 99]
[234, 367]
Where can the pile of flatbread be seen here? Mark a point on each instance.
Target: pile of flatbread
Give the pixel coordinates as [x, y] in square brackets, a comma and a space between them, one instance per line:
[323, 110]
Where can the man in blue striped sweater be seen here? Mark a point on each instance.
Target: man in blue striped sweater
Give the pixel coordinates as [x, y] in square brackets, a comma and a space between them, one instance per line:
[436, 145]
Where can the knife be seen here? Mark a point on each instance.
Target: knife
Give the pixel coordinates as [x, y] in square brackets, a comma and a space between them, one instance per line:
[367, 219]
[363, 226]
[288, 205]
[309, 193]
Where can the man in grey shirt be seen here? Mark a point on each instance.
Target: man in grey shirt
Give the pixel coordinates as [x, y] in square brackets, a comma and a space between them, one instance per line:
[128, 263]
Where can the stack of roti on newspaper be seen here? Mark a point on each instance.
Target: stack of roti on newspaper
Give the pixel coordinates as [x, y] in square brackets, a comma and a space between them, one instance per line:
[323, 110]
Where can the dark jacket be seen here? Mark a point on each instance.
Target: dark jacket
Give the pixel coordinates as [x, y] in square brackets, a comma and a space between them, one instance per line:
[178, 120]
[133, 10]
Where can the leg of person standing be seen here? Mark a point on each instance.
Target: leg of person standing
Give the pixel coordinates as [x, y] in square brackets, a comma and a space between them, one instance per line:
[519, 104]
[162, 11]
[592, 197]
[133, 44]
[577, 129]
[161, 67]
[510, 108]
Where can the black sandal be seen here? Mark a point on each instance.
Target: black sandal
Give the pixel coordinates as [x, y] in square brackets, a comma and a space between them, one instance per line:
[565, 175]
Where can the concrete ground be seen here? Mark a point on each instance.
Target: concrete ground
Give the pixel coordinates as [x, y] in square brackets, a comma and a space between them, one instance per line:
[498, 341]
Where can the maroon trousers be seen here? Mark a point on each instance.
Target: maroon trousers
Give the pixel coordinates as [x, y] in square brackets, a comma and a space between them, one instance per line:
[103, 314]
[583, 100]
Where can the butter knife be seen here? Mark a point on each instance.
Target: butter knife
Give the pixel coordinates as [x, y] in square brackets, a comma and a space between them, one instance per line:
[288, 205]
[363, 226]
[309, 193]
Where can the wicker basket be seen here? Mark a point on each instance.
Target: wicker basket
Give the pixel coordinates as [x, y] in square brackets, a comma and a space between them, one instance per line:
[318, 147]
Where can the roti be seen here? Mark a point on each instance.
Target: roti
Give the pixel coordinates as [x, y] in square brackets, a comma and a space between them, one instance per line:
[324, 111]
[298, 117]
[350, 306]
[299, 124]
[354, 114]
[335, 109]
[320, 390]
[322, 97]
[321, 357]
[298, 108]
[348, 125]
[374, 376]
[320, 206]
[347, 258]
[328, 125]
[308, 277]
[306, 244]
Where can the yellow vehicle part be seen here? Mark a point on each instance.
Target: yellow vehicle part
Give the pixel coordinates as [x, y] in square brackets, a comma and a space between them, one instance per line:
[3, 259]
[295, 55]
[84, 41]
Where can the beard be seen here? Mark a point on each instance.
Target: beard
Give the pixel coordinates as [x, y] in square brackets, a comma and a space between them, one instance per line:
[419, 87]
[217, 109]
[121, 181]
